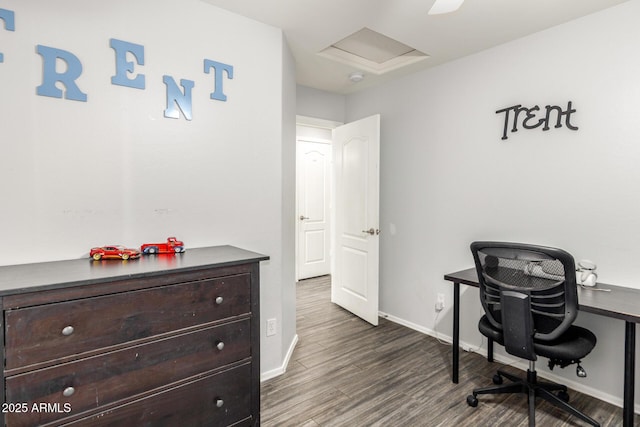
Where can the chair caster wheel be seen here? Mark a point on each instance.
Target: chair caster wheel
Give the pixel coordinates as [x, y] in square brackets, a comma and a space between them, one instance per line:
[497, 379]
[472, 401]
[563, 395]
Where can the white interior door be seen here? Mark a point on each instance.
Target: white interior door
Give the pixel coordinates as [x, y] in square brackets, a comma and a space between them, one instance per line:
[356, 160]
[313, 184]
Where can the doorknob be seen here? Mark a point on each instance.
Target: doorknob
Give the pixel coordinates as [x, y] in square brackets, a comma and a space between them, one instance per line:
[372, 231]
[302, 217]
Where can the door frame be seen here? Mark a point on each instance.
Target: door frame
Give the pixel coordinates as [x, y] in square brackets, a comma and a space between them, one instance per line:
[303, 270]
[321, 124]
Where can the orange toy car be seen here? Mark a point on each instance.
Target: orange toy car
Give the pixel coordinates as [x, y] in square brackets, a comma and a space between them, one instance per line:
[113, 252]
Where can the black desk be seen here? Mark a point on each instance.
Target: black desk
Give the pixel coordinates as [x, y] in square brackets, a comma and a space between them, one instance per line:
[620, 303]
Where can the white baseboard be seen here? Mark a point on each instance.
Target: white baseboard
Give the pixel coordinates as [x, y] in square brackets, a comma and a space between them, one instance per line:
[283, 368]
[598, 394]
[410, 325]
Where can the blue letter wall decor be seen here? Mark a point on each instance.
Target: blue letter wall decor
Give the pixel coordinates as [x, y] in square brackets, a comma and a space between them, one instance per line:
[9, 19]
[176, 97]
[68, 78]
[61, 69]
[123, 66]
[218, 68]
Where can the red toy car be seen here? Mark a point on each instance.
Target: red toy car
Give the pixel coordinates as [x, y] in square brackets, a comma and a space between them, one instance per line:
[113, 252]
[172, 245]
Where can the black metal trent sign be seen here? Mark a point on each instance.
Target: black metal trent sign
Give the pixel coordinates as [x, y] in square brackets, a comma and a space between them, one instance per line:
[531, 118]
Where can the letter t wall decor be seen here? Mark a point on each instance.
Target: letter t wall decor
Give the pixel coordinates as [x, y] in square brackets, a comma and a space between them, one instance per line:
[9, 19]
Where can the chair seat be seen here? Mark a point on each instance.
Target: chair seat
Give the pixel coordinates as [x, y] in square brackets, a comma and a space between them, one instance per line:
[574, 344]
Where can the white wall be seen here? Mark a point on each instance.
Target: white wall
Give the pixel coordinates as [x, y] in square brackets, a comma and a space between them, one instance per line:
[313, 133]
[448, 179]
[113, 170]
[320, 104]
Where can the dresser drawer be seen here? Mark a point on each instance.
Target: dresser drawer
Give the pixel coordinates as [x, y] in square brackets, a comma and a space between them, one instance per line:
[215, 401]
[47, 332]
[106, 378]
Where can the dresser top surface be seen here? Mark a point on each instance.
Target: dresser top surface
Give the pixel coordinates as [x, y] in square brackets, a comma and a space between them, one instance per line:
[15, 279]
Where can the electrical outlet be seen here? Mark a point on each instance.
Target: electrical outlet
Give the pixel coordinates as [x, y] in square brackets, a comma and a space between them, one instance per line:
[271, 327]
[440, 302]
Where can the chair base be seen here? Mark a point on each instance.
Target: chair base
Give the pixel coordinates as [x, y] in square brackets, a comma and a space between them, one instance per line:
[533, 388]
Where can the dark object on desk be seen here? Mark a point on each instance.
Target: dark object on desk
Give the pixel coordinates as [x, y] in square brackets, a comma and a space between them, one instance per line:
[530, 301]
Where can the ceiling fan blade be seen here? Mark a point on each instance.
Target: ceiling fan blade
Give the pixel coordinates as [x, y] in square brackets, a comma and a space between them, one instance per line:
[445, 6]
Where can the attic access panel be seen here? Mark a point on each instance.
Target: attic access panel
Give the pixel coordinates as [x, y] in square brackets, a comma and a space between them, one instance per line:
[374, 52]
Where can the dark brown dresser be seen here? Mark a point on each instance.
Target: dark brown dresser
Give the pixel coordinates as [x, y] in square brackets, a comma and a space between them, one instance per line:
[164, 340]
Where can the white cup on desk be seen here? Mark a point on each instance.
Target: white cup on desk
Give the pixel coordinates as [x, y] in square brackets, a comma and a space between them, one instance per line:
[586, 273]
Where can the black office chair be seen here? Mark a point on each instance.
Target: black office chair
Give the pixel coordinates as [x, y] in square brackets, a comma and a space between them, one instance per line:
[530, 301]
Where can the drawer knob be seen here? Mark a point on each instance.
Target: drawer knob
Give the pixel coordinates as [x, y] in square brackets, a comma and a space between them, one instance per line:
[67, 330]
[68, 392]
[219, 300]
[220, 345]
[219, 402]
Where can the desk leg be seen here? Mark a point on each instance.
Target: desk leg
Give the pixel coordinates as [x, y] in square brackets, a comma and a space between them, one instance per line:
[456, 331]
[629, 373]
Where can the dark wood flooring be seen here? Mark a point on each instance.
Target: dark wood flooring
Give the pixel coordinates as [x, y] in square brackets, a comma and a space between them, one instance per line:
[345, 372]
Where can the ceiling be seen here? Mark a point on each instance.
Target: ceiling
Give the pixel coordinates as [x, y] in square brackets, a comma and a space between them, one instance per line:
[311, 26]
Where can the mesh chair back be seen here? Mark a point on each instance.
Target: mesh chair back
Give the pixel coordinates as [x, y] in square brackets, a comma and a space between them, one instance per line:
[546, 275]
